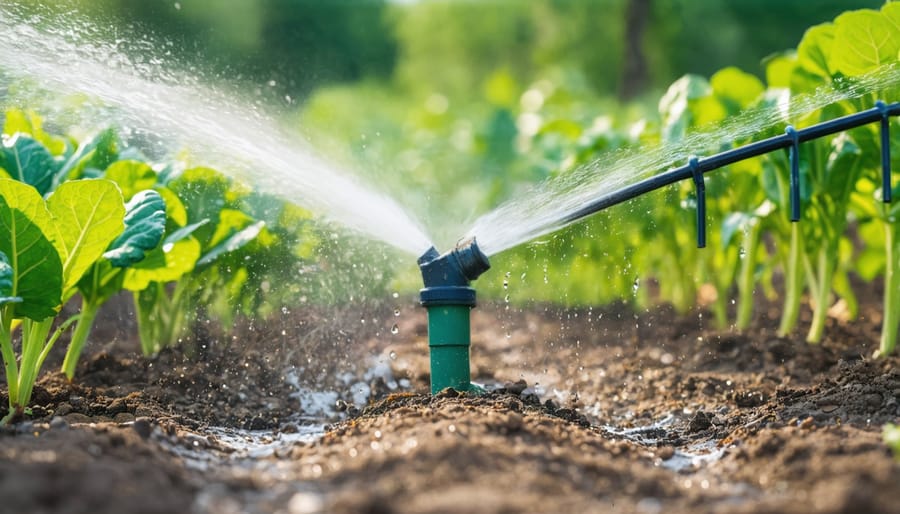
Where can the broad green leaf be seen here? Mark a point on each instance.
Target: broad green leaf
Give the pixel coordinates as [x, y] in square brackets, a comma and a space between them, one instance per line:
[37, 268]
[779, 68]
[708, 109]
[841, 169]
[6, 282]
[674, 106]
[165, 263]
[230, 221]
[736, 86]
[145, 223]
[94, 154]
[232, 243]
[131, 176]
[31, 124]
[175, 210]
[863, 41]
[815, 48]
[27, 160]
[202, 190]
[184, 232]
[88, 216]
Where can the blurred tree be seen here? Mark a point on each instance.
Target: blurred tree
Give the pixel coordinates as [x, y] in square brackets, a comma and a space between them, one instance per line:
[634, 72]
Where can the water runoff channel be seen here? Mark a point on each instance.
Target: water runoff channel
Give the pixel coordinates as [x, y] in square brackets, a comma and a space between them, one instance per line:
[147, 93]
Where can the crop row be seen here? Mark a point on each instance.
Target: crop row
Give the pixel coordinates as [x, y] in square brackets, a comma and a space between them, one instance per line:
[754, 246]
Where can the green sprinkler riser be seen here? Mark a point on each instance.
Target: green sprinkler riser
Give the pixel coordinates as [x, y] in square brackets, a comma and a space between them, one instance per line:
[448, 342]
[448, 299]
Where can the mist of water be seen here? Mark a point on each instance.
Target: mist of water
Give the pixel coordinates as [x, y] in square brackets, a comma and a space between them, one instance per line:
[543, 209]
[221, 129]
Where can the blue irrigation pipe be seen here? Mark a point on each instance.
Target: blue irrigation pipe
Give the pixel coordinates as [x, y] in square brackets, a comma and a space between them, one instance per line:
[792, 138]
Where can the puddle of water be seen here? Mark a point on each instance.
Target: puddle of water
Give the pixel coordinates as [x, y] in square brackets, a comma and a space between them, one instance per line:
[697, 456]
[258, 444]
[694, 456]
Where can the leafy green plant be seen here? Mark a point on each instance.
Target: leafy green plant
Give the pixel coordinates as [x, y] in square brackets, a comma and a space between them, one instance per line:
[144, 226]
[168, 284]
[48, 245]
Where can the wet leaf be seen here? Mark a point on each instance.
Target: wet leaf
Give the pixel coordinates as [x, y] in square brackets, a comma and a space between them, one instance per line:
[165, 263]
[37, 268]
[25, 159]
[6, 282]
[145, 223]
[736, 87]
[131, 177]
[232, 243]
[88, 216]
[863, 41]
[814, 49]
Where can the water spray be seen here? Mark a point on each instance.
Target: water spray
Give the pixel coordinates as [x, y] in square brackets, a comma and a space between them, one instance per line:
[448, 299]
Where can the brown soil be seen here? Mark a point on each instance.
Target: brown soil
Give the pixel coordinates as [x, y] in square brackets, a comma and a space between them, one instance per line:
[590, 411]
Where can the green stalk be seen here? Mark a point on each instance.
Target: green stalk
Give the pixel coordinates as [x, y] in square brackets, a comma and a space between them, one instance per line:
[891, 292]
[793, 282]
[826, 267]
[147, 319]
[176, 316]
[746, 283]
[79, 337]
[34, 334]
[9, 357]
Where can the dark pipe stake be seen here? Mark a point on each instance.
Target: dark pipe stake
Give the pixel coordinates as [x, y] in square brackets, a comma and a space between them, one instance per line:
[794, 156]
[885, 151]
[700, 185]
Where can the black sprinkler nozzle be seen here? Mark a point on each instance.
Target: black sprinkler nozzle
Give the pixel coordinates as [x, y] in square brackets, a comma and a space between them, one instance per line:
[446, 277]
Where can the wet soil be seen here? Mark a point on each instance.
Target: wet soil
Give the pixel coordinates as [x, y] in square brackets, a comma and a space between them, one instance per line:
[588, 410]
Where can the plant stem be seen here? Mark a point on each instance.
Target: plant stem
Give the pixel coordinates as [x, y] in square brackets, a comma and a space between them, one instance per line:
[793, 283]
[826, 266]
[79, 337]
[891, 321]
[746, 282]
[34, 333]
[144, 306]
[9, 355]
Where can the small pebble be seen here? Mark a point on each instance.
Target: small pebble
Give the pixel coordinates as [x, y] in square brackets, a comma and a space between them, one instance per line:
[448, 392]
[665, 452]
[515, 388]
[808, 423]
[59, 423]
[143, 427]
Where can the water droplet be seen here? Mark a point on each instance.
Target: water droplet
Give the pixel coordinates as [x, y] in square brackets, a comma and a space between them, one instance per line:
[395, 329]
[636, 285]
[393, 355]
[396, 312]
[506, 298]
[396, 295]
[742, 253]
[362, 320]
[508, 334]
[505, 284]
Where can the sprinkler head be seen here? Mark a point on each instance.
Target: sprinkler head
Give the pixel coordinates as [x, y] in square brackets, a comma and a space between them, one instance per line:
[448, 299]
[446, 277]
